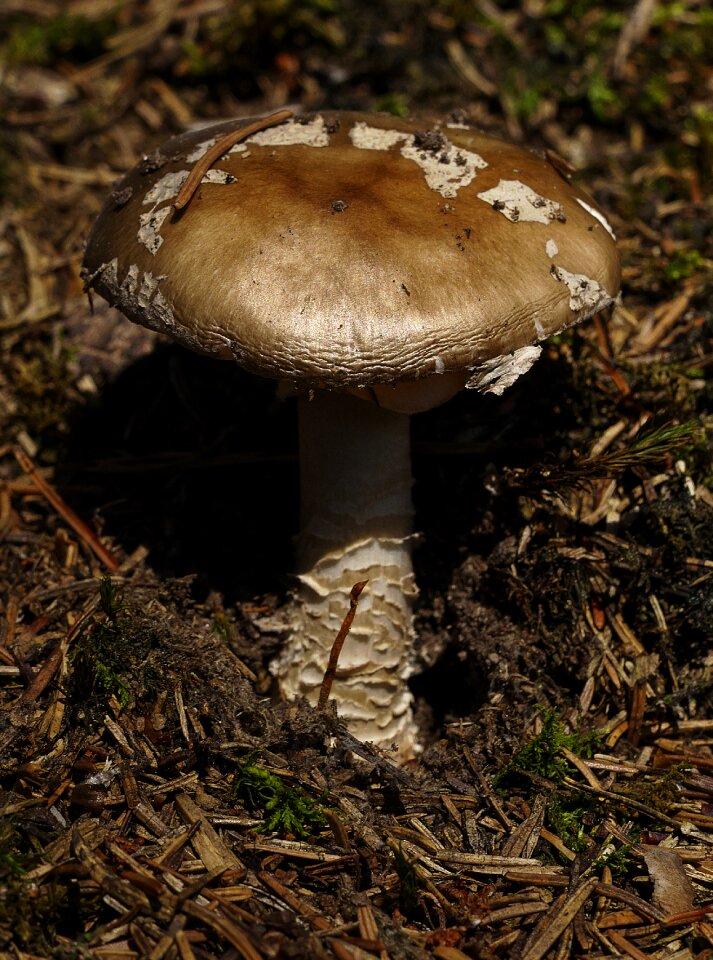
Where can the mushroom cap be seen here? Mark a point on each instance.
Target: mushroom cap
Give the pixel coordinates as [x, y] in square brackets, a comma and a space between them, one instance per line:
[345, 250]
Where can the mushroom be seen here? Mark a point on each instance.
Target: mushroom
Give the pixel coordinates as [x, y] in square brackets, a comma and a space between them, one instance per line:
[375, 268]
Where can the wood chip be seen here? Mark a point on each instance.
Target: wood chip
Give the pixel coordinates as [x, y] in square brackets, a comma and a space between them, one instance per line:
[553, 925]
[210, 848]
[523, 839]
[620, 941]
[484, 863]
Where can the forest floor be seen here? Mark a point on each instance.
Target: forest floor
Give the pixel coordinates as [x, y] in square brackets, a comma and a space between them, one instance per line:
[154, 800]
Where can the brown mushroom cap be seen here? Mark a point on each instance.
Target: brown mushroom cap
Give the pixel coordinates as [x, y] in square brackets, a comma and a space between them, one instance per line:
[344, 250]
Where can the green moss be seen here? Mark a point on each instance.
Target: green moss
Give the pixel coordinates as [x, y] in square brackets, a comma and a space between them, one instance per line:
[605, 102]
[527, 102]
[195, 61]
[221, 627]
[576, 819]
[28, 919]
[683, 264]
[28, 914]
[288, 810]
[95, 674]
[661, 794]
[656, 94]
[397, 104]
[570, 820]
[109, 599]
[618, 860]
[565, 54]
[663, 388]
[43, 386]
[109, 659]
[65, 36]
[648, 448]
[700, 124]
[542, 756]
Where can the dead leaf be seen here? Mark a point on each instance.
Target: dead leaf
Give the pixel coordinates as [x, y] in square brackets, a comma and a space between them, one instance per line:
[673, 892]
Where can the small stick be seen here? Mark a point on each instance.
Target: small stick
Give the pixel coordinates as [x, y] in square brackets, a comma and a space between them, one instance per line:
[688, 916]
[218, 149]
[66, 512]
[51, 665]
[626, 946]
[331, 670]
[637, 706]
[7, 636]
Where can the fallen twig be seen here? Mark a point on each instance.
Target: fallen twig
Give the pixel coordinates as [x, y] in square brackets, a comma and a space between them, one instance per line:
[331, 670]
[218, 149]
[66, 512]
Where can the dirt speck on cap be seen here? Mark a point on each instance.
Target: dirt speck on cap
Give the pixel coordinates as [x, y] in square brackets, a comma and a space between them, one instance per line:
[429, 140]
[152, 161]
[121, 197]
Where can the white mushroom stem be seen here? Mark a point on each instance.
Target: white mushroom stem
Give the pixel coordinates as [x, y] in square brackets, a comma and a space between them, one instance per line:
[356, 525]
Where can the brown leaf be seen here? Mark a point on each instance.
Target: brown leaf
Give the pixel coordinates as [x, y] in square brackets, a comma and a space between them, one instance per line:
[673, 892]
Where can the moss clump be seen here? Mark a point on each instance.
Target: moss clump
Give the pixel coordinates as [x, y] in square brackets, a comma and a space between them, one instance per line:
[27, 920]
[570, 818]
[397, 104]
[43, 384]
[647, 449]
[287, 810]
[541, 755]
[70, 36]
[221, 627]
[109, 659]
[665, 388]
[659, 795]
[683, 264]
[618, 860]
[576, 819]
[27, 916]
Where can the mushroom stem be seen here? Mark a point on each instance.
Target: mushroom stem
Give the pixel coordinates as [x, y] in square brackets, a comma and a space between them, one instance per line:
[356, 525]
